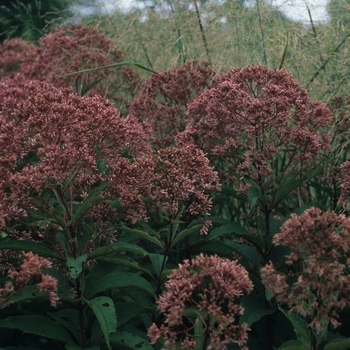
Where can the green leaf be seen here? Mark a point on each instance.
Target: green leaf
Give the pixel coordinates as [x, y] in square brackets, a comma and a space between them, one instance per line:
[38, 325]
[338, 344]
[143, 235]
[231, 227]
[89, 86]
[72, 346]
[87, 203]
[284, 52]
[284, 190]
[128, 310]
[76, 265]
[117, 247]
[68, 181]
[124, 340]
[300, 326]
[39, 248]
[295, 345]
[104, 311]
[247, 252]
[185, 233]
[254, 308]
[126, 63]
[96, 284]
[123, 261]
[157, 262]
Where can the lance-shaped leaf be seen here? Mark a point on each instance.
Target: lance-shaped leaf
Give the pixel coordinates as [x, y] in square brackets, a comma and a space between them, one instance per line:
[128, 341]
[38, 325]
[99, 283]
[185, 233]
[338, 344]
[39, 248]
[117, 247]
[75, 266]
[104, 311]
[143, 235]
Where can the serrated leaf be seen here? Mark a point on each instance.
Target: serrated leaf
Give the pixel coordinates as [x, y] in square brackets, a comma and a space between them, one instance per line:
[254, 308]
[124, 340]
[247, 252]
[184, 233]
[104, 311]
[338, 344]
[157, 262]
[128, 310]
[131, 264]
[87, 203]
[284, 190]
[38, 325]
[143, 235]
[299, 325]
[117, 247]
[39, 248]
[113, 280]
[295, 345]
[231, 227]
[75, 266]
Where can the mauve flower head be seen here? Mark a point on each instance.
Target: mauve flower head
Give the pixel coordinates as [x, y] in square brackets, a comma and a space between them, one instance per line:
[46, 133]
[211, 286]
[255, 116]
[12, 52]
[319, 289]
[76, 48]
[162, 101]
[30, 270]
[183, 174]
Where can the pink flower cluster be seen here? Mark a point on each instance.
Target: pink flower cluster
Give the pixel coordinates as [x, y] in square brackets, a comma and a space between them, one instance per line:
[72, 49]
[162, 101]
[254, 116]
[28, 272]
[210, 287]
[46, 133]
[319, 288]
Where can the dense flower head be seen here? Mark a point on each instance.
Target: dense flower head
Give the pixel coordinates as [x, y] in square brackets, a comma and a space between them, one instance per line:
[75, 48]
[11, 54]
[162, 101]
[211, 285]
[255, 115]
[183, 174]
[30, 270]
[320, 244]
[46, 133]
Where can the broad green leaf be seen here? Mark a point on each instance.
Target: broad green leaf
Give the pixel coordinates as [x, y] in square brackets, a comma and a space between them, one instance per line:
[254, 308]
[104, 311]
[123, 261]
[299, 325]
[76, 265]
[87, 203]
[247, 252]
[72, 346]
[127, 310]
[284, 190]
[38, 325]
[157, 262]
[231, 227]
[295, 345]
[124, 340]
[96, 284]
[69, 319]
[185, 233]
[39, 248]
[143, 235]
[116, 247]
[338, 344]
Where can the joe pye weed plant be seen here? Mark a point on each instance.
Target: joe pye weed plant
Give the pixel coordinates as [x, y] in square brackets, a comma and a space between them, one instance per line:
[187, 217]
